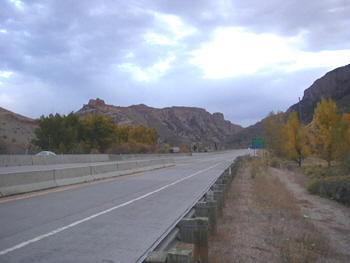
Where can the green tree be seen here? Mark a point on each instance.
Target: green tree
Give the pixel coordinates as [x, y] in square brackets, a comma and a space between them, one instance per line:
[296, 139]
[324, 130]
[57, 132]
[97, 132]
[69, 133]
[48, 134]
[274, 132]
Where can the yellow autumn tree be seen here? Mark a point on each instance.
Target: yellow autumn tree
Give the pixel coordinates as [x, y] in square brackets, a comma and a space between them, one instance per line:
[296, 139]
[343, 143]
[275, 136]
[142, 134]
[324, 130]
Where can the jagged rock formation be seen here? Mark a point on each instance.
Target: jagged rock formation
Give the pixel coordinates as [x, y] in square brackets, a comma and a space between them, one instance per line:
[185, 125]
[179, 125]
[335, 85]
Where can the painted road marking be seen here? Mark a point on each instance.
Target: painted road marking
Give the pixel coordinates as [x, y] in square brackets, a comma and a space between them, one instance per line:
[3, 252]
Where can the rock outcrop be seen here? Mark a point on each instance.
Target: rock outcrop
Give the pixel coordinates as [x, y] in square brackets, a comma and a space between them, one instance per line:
[335, 85]
[178, 125]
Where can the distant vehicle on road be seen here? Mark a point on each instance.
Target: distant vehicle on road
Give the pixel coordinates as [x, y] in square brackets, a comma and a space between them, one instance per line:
[46, 153]
[174, 150]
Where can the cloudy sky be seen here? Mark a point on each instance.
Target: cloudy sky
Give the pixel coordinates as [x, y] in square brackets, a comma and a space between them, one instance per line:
[243, 58]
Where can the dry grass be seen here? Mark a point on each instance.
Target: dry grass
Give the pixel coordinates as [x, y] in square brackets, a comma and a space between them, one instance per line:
[263, 223]
[296, 239]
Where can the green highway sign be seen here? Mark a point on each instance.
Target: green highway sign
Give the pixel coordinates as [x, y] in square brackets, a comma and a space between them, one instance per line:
[258, 143]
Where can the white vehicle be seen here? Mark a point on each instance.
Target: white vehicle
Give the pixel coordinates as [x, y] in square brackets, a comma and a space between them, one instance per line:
[46, 153]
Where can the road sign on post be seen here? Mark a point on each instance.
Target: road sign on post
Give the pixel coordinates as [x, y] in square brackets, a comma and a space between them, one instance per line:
[258, 143]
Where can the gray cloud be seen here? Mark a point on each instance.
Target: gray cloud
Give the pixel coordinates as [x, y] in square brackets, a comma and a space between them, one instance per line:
[63, 53]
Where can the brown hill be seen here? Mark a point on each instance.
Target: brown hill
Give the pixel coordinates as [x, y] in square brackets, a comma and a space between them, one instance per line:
[16, 131]
[178, 125]
[334, 84]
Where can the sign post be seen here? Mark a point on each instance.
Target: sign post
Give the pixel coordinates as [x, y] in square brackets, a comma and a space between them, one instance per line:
[258, 143]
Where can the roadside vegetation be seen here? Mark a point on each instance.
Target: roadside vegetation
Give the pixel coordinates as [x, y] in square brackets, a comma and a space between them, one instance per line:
[269, 218]
[327, 138]
[95, 133]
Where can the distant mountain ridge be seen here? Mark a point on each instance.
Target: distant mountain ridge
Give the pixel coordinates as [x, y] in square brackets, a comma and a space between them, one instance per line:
[185, 125]
[178, 125]
[334, 84]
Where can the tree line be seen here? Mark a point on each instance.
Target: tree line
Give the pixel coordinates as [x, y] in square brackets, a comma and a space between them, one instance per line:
[95, 133]
[326, 137]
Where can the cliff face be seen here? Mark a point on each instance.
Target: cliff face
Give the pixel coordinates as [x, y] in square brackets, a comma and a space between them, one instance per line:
[335, 85]
[180, 125]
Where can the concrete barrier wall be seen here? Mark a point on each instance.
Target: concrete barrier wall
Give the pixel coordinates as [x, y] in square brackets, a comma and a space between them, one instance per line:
[47, 159]
[17, 183]
[168, 162]
[74, 175]
[158, 163]
[127, 168]
[28, 181]
[15, 160]
[25, 160]
[104, 171]
[144, 165]
[115, 157]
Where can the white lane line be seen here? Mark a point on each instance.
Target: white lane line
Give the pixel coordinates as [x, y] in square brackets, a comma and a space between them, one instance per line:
[98, 214]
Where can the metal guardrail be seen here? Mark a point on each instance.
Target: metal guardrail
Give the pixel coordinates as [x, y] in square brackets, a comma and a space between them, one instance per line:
[172, 238]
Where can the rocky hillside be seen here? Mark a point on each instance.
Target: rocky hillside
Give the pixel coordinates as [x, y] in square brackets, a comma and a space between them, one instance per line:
[186, 125]
[178, 125]
[16, 131]
[335, 85]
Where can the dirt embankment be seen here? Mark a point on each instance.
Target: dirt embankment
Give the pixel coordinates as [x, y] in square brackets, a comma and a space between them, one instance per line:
[270, 217]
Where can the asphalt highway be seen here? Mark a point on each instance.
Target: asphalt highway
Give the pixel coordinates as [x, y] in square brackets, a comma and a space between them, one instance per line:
[113, 220]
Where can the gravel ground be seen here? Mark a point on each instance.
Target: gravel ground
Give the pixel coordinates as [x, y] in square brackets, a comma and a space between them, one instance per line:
[271, 218]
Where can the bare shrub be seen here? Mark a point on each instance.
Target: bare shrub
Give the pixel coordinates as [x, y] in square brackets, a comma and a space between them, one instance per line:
[336, 188]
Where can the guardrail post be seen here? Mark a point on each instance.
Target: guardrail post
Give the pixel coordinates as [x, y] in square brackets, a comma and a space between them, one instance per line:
[174, 255]
[221, 187]
[216, 195]
[208, 209]
[156, 257]
[195, 230]
[179, 256]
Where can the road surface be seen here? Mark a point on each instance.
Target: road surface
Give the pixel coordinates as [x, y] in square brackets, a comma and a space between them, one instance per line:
[112, 220]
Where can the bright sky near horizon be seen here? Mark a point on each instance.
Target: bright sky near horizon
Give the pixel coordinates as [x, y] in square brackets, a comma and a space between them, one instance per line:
[243, 58]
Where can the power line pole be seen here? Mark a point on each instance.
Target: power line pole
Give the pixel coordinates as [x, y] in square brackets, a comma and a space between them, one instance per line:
[300, 112]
